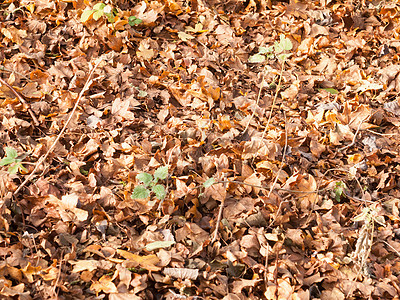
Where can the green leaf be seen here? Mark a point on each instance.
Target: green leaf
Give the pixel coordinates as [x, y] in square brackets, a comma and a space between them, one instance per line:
[97, 15]
[330, 90]
[161, 173]
[99, 6]
[209, 182]
[10, 152]
[86, 15]
[132, 20]
[265, 50]
[140, 192]
[159, 190]
[144, 177]
[142, 94]
[159, 245]
[110, 17]
[13, 169]
[6, 161]
[285, 43]
[184, 36]
[257, 58]
[283, 56]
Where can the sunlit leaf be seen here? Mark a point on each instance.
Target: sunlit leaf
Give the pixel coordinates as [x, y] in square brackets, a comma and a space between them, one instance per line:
[286, 43]
[132, 20]
[283, 56]
[184, 36]
[99, 6]
[182, 273]
[161, 173]
[140, 192]
[146, 178]
[6, 161]
[331, 90]
[97, 14]
[13, 169]
[10, 152]
[257, 58]
[159, 245]
[209, 182]
[265, 50]
[86, 15]
[159, 190]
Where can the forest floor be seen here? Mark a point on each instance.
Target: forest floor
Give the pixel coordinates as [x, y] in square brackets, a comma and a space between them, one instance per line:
[199, 149]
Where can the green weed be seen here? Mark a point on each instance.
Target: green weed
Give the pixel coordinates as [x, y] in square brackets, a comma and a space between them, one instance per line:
[11, 160]
[150, 184]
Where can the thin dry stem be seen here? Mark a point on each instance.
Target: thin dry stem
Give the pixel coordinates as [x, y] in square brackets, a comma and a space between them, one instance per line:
[221, 208]
[22, 100]
[258, 100]
[278, 87]
[43, 158]
[355, 135]
[283, 159]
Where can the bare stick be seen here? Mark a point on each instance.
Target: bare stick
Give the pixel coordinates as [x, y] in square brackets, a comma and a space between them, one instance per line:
[283, 159]
[43, 158]
[22, 100]
[355, 135]
[278, 88]
[2, 68]
[221, 208]
[258, 100]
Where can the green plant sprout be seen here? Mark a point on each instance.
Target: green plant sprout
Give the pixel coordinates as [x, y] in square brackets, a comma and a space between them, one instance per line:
[99, 10]
[12, 160]
[277, 50]
[339, 189]
[149, 185]
[133, 21]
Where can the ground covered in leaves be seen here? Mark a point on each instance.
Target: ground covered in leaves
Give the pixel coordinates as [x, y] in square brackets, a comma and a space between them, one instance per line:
[272, 128]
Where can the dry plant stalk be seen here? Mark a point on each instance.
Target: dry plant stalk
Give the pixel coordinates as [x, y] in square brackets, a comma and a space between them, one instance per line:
[366, 236]
[22, 100]
[43, 158]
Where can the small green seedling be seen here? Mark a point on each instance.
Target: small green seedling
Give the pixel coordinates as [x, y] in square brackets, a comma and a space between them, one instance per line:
[150, 184]
[339, 189]
[133, 21]
[209, 182]
[277, 50]
[330, 90]
[11, 159]
[99, 10]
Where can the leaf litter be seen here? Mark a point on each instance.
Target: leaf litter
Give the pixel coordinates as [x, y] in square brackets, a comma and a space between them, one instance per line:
[269, 127]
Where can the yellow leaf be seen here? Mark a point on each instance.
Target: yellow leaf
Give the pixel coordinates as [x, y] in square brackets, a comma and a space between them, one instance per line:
[148, 262]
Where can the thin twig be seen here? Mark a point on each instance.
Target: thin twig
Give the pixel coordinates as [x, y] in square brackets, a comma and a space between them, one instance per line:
[258, 100]
[166, 181]
[43, 158]
[2, 68]
[283, 159]
[22, 100]
[382, 134]
[355, 135]
[278, 87]
[221, 208]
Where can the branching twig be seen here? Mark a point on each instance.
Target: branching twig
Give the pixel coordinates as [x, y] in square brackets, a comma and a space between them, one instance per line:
[221, 208]
[22, 100]
[355, 135]
[2, 68]
[258, 100]
[43, 158]
[278, 88]
[283, 159]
